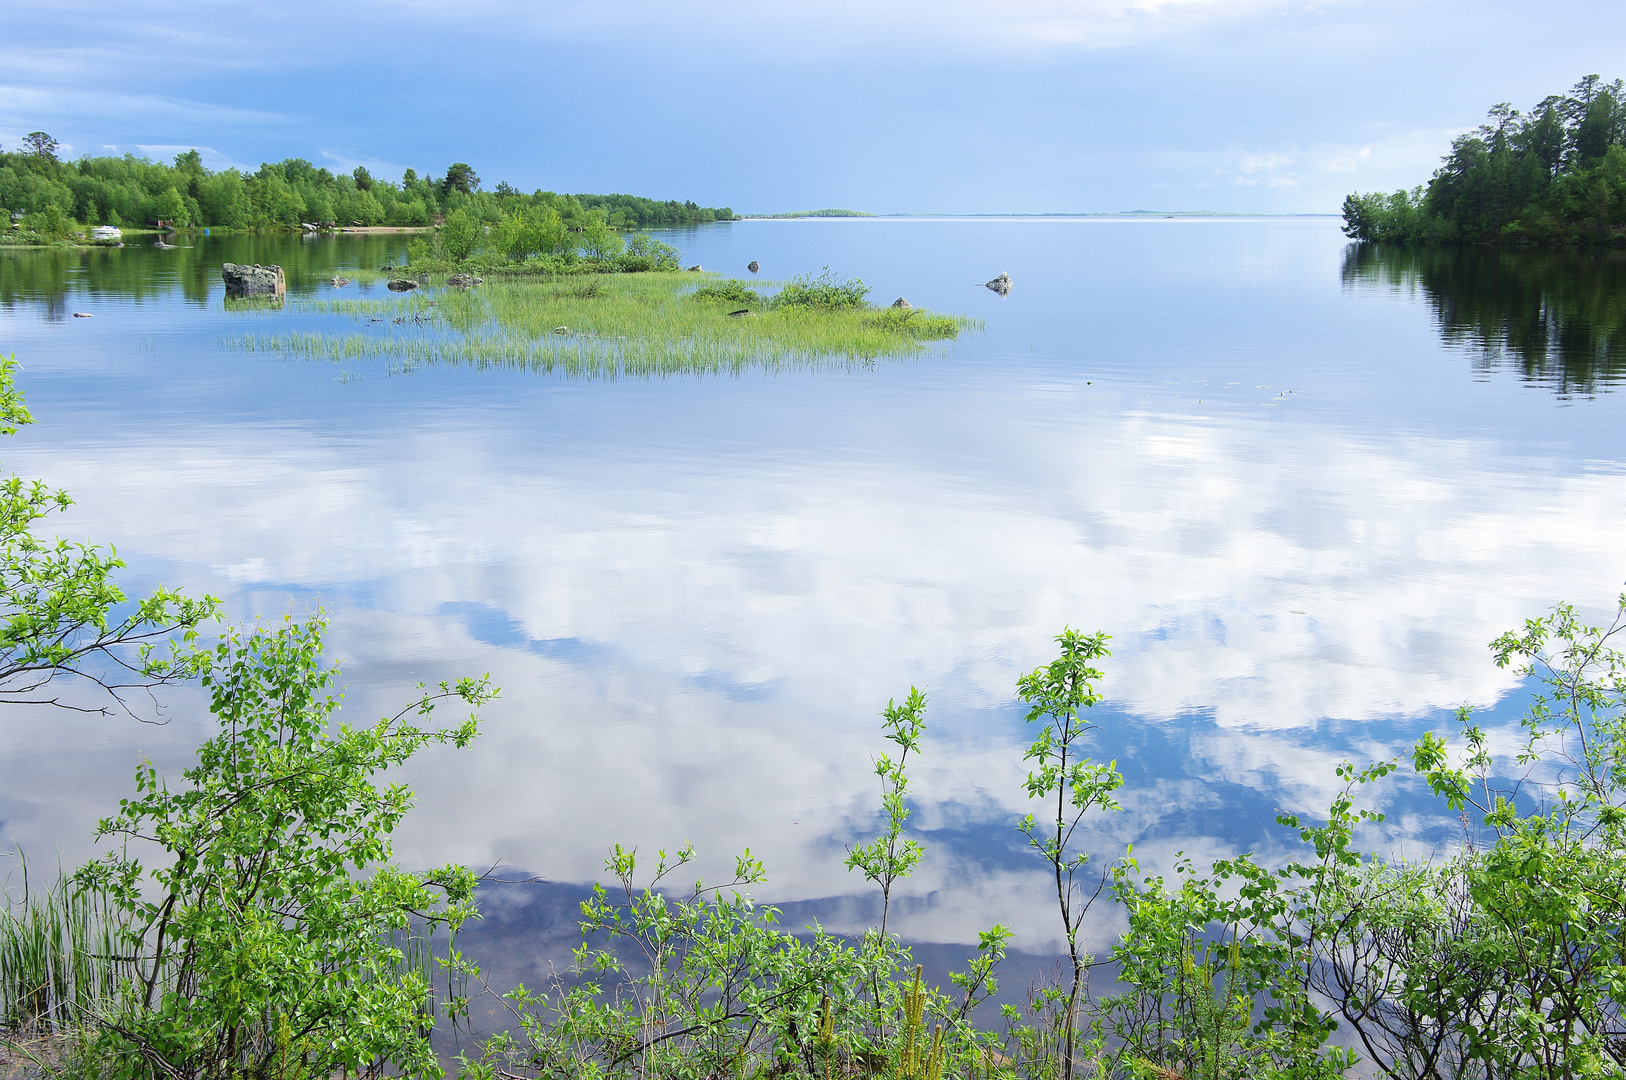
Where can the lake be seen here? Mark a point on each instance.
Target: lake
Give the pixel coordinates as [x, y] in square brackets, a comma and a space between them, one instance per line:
[1302, 486]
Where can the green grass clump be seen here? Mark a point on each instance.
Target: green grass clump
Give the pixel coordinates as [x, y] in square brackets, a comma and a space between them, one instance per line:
[732, 291]
[609, 326]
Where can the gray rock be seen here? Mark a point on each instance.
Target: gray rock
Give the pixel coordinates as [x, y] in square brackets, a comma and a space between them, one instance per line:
[900, 302]
[402, 284]
[464, 281]
[695, 267]
[340, 282]
[1001, 284]
[753, 266]
[253, 280]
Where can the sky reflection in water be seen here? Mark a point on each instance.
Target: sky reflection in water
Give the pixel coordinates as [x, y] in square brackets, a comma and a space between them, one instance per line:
[1299, 510]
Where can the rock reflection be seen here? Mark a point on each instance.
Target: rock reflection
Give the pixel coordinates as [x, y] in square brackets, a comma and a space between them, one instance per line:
[1558, 318]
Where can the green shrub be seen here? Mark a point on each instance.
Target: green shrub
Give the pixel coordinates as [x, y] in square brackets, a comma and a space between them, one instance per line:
[458, 236]
[823, 291]
[50, 223]
[261, 935]
[732, 291]
[643, 253]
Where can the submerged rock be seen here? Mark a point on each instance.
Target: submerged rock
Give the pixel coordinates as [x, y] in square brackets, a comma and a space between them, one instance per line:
[401, 285]
[753, 266]
[900, 302]
[253, 280]
[340, 282]
[1001, 284]
[464, 281]
[83, 315]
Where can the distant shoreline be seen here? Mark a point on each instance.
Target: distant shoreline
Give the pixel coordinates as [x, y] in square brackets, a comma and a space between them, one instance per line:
[1134, 215]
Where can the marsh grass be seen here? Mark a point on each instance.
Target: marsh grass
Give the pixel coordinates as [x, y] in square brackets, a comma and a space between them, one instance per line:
[60, 954]
[608, 326]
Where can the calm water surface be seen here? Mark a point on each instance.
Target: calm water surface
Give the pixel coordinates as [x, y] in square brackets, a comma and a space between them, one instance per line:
[1301, 486]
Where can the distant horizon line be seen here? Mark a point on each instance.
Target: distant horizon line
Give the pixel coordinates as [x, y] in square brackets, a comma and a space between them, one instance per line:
[809, 215]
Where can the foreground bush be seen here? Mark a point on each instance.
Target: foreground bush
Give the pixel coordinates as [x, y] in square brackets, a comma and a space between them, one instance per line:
[261, 936]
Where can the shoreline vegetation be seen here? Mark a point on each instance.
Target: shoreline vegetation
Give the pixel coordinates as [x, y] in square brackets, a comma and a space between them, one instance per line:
[592, 324]
[1552, 177]
[51, 201]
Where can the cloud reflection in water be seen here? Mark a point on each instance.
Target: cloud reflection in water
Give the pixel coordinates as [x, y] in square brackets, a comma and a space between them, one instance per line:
[694, 647]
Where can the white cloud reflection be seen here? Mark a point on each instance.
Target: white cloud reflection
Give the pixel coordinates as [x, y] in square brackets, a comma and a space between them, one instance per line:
[696, 649]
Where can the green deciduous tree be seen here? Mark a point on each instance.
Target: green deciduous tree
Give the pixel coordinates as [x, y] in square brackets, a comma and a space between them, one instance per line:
[891, 855]
[62, 613]
[261, 934]
[1056, 696]
[530, 231]
[170, 207]
[458, 235]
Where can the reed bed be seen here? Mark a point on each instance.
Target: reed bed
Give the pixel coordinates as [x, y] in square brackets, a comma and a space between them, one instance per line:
[60, 958]
[608, 327]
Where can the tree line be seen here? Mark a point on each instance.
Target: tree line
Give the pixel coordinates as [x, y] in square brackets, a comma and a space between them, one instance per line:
[131, 190]
[1555, 175]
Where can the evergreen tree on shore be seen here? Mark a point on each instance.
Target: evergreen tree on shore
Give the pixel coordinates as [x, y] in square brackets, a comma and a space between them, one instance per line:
[1555, 175]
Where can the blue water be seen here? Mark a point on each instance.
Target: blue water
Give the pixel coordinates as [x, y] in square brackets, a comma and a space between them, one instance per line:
[1299, 509]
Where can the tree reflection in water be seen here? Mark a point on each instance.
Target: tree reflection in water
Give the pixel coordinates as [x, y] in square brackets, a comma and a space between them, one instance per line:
[1557, 317]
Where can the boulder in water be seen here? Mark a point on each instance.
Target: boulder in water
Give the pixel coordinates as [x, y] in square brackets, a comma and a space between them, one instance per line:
[1001, 284]
[900, 302]
[694, 268]
[253, 280]
[402, 284]
[464, 281]
[753, 266]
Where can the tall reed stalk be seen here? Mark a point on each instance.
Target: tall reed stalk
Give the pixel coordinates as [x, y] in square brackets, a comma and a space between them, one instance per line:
[60, 956]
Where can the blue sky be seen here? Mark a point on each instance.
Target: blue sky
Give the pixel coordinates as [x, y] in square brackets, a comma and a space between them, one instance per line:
[916, 106]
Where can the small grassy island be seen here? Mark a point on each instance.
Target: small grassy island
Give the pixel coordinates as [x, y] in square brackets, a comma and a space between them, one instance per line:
[1552, 177]
[598, 324]
[531, 291]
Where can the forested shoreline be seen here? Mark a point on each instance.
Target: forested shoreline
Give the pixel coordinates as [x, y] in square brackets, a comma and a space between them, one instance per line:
[1551, 177]
[57, 196]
